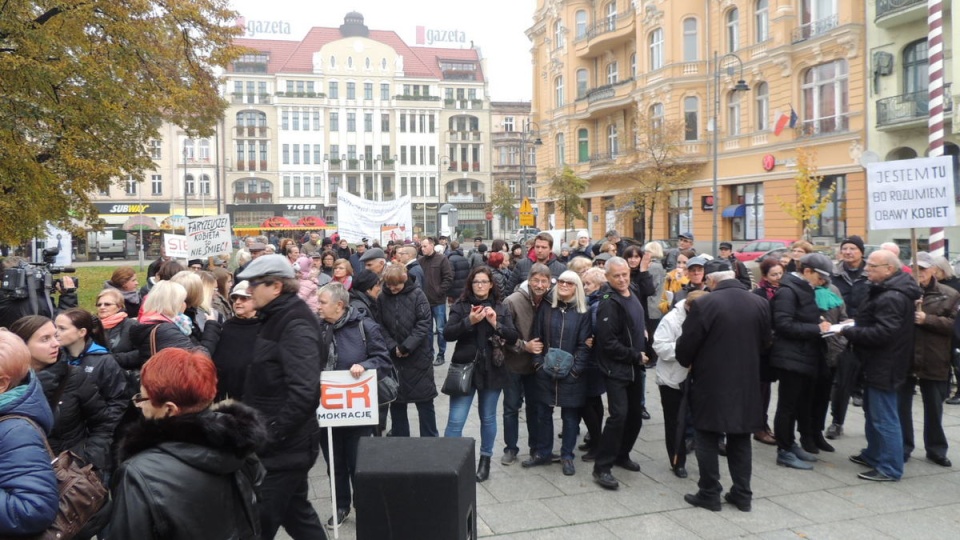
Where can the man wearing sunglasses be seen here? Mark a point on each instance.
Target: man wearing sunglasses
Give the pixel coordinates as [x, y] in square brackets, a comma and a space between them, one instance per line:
[285, 388]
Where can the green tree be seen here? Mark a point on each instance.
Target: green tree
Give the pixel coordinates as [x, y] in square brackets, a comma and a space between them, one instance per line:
[566, 189]
[503, 203]
[86, 84]
[811, 201]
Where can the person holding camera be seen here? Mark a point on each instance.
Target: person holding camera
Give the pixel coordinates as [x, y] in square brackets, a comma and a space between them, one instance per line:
[27, 289]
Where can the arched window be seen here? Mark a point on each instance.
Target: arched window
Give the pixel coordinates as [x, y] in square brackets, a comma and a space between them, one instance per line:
[691, 120]
[733, 113]
[655, 41]
[560, 150]
[916, 76]
[691, 52]
[189, 152]
[825, 98]
[559, 37]
[581, 83]
[205, 184]
[633, 65]
[762, 93]
[558, 88]
[580, 19]
[349, 62]
[733, 30]
[333, 61]
[366, 63]
[189, 184]
[613, 140]
[761, 16]
[583, 145]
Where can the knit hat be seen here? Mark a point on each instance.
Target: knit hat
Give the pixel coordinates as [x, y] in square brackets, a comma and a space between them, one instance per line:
[855, 240]
[365, 280]
[302, 266]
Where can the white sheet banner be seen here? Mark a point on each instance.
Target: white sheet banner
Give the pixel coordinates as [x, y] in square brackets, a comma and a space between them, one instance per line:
[209, 236]
[345, 401]
[911, 193]
[360, 218]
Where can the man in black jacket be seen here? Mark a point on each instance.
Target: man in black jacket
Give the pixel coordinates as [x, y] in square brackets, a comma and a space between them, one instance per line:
[740, 269]
[620, 343]
[286, 390]
[437, 278]
[461, 269]
[543, 252]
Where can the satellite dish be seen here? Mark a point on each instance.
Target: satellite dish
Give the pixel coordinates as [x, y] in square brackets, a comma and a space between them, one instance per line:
[869, 157]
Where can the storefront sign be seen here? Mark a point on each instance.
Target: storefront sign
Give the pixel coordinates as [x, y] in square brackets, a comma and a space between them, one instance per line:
[125, 208]
[348, 401]
[911, 193]
[208, 236]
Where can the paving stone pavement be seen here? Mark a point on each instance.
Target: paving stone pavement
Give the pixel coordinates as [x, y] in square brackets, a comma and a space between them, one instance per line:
[828, 502]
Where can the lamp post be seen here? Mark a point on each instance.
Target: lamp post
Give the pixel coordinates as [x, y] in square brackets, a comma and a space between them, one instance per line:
[740, 86]
[524, 133]
[185, 178]
[442, 161]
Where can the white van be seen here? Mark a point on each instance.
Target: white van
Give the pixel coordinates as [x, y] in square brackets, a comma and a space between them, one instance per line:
[107, 244]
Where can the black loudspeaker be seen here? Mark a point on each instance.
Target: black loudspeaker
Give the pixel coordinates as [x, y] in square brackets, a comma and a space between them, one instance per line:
[415, 488]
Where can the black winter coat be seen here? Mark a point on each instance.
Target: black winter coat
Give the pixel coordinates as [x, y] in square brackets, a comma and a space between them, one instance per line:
[797, 346]
[933, 353]
[595, 383]
[232, 357]
[853, 289]
[564, 328]
[353, 346]
[102, 369]
[502, 279]
[883, 332]
[168, 335]
[283, 382]
[437, 278]
[408, 325]
[473, 341]
[81, 421]
[461, 269]
[617, 353]
[722, 339]
[119, 343]
[365, 304]
[190, 476]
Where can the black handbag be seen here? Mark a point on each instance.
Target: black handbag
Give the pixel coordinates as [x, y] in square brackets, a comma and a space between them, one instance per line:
[459, 381]
[388, 388]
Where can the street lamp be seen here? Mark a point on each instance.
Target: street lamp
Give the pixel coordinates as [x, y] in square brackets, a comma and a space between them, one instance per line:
[524, 133]
[740, 86]
[443, 161]
[185, 178]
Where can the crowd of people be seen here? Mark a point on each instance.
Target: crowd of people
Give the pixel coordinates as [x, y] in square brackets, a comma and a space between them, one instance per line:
[203, 384]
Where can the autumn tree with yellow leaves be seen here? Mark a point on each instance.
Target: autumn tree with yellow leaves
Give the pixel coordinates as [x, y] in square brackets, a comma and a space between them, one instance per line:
[85, 86]
[810, 203]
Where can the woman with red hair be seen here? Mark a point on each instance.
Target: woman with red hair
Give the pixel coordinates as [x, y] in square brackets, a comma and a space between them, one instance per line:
[186, 453]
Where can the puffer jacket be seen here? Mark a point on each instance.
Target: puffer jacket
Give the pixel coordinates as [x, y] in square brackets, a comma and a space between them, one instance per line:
[932, 351]
[352, 345]
[365, 304]
[190, 476]
[502, 278]
[168, 335]
[854, 287]
[103, 370]
[564, 328]
[797, 346]
[308, 292]
[473, 340]
[119, 343]
[29, 497]
[408, 326]
[81, 421]
[461, 269]
[883, 333]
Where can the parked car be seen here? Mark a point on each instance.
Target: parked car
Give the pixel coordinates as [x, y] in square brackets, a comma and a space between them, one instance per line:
[757, 248]
[112, 244]
[522, 235]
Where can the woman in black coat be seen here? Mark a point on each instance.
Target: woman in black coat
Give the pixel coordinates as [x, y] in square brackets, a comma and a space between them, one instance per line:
[771, 272]
[116, 326]
[163, 312]
[237, 338]
[81, 421]
[407, 323]
[474, 320]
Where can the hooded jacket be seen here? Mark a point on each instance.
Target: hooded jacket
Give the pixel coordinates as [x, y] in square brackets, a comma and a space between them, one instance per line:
[408, 326]
[932, 351]
[797, 346]
[461, 270]
[190, 476]
[415, 272]
[883, 333]
[111, 381]
[365, 304]
[29, 497]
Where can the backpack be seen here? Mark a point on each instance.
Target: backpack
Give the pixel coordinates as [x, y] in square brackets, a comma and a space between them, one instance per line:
[82, 493]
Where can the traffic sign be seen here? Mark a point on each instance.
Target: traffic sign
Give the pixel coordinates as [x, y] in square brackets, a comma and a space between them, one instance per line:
[526, 213]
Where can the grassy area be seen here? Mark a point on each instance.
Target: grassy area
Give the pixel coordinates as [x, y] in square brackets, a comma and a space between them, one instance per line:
[91, 282]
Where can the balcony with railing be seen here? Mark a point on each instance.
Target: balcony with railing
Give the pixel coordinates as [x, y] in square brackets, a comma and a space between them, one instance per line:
[463, 104]
[253, 198]
[816, 28]
[607, 33]
[463, 166]
[463, 136]
[258, 132]
[604, 97]
[909, 110]
[892, 13]
[821, 127]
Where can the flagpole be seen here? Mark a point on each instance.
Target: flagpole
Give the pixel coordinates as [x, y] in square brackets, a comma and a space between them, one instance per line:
[935, 121]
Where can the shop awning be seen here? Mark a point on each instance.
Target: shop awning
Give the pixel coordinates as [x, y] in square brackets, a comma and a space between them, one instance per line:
[311, 221]
[140, 223]
[735, 211]
[276, 221]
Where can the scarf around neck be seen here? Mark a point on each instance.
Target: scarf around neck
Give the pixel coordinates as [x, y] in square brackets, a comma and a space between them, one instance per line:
[826, 299]
[113, 320]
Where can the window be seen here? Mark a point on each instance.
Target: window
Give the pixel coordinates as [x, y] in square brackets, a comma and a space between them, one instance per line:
[762, 20]
[656, 116]
[131, 186]
[351, 122]
[825, 99]
[762, 94]
[384, 91]
[351, 90]
[613, 140]
[581, 83]
[680, 211]
[204, 150]
[317, 154]
[205, 184]
[295, 117]
[156, 151]
[612, 73]
[580, 20]
[156, 184]
[403, 122]
[403, 155]
[334, 90]
[368, 90]
[750, 226]
[583, 146]
[560, 150]
[691, 124]
[508, 123]
[351, 151]
[334, 121]
[190, 185]
[335, 151]
[385, 122]
[733, 29]
[558, 35]
[818, 16]
[611, 16]
[316, 120]
[633, 65]
[368, 122]
[284, 120]
[655, 40]
[733, 113]
[188, 151]
[916, 75]
[558, 88]
[285, 154]
[690, 50]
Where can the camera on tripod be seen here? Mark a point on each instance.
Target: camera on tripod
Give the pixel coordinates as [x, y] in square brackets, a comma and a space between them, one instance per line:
[25, 278]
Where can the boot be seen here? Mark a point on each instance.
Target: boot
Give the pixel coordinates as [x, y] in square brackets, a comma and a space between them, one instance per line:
[483, 469]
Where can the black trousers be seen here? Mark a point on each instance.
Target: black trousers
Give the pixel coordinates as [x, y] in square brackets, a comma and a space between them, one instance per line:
[933, 394]
[739, 456]
[592, 415]
[345, 443]
[673, 420]
[625, 403]
[819, 402]
[283, 502]
[793, 407]
[765, 397]
[845, 382]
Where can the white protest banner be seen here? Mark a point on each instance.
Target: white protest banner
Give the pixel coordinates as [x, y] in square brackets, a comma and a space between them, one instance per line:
[345, 401]
[359, 218]
[911, 193]
[175, 245]
[208, 236]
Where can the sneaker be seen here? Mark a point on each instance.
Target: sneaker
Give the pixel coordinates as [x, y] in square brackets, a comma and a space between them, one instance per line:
[858, 459]
[876, 476]
[835, 431]
[509, 457]
[342, 514]
[786, 458]
[568, 468]
[439, 361]
[955, 400]
[802, 454]
[536, 461]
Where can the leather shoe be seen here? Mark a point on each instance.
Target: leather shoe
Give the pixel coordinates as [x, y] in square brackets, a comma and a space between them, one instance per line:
[628, 464]
[509, 457]
[741, 504]
[809, 445]
[696, 500]
[591, 455]
[680, 472]
[942, 461]
[439, 361]
[764, 436]
[644, 414]
[536, 461]
[568, 468]
[606, 480]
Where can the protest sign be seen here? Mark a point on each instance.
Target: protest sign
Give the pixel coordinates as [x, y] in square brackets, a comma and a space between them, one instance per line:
[911, 193]
[208, 236]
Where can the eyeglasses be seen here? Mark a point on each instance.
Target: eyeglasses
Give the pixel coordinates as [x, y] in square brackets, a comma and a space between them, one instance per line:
[257, 282]
[239, 297]
[565, 282]
[481, 282]
[139, 398]
[105, 304]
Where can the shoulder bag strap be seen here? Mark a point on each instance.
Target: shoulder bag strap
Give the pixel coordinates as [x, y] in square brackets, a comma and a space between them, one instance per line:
[35, 426]
[153, 339]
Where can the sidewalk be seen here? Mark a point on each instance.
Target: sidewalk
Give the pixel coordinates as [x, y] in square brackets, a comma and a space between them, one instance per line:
[828, 502]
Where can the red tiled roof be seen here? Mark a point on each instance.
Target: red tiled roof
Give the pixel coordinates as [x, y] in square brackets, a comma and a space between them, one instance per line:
[297, 56]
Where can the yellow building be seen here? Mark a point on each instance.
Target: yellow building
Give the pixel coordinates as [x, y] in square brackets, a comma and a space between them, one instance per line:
[598, 64]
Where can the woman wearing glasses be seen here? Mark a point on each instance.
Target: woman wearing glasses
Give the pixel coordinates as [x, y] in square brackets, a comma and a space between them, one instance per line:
[475, 321]
[564, 324]
[116, 325]
[189, 469]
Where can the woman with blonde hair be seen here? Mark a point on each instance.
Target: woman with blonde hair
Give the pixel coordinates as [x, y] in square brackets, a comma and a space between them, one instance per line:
[195, 312]
[162, 324]
[343, 273]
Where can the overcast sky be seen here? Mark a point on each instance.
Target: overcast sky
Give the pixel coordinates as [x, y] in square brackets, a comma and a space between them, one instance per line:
[496, 26]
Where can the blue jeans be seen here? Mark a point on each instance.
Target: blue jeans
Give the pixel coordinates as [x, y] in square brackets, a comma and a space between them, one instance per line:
[570, 418]
[884, 449]
[520, 388]
[440, 318]
[426, 414]
[460, 409]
